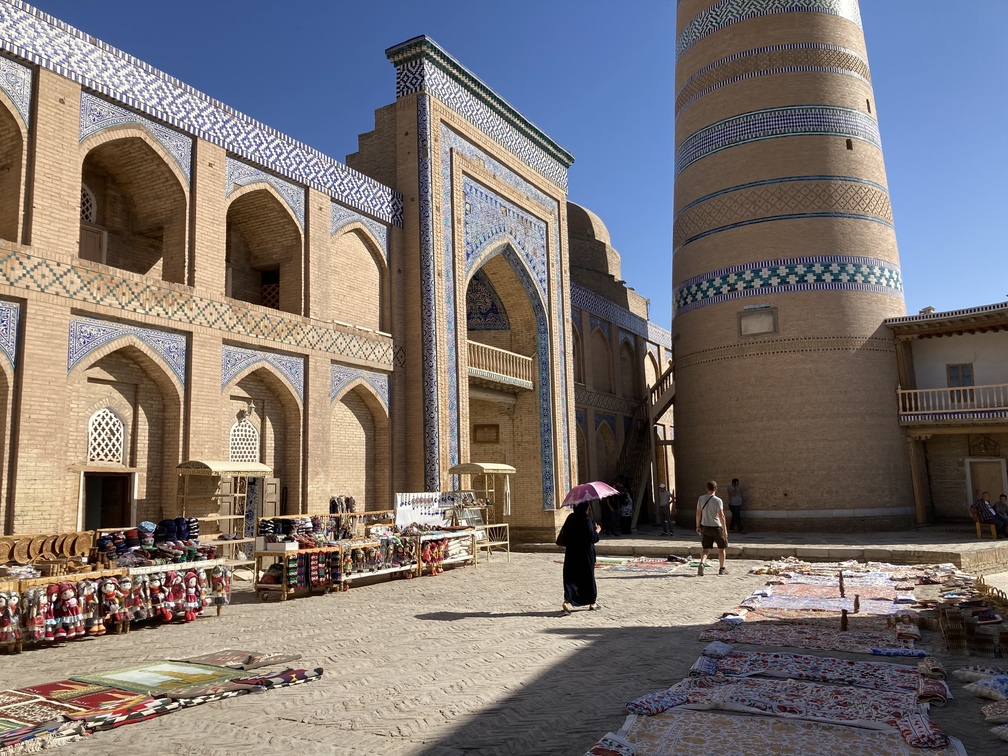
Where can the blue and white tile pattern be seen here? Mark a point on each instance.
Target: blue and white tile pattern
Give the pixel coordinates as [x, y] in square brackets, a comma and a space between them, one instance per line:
[88, 334]
[342, 376]
[241, 174]
[10, 315]
[235, 359]
[340, 216]
[16, 82]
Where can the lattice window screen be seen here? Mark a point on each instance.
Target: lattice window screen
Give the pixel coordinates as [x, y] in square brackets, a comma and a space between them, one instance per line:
[106, 437]
[87, 205]
[244, 441]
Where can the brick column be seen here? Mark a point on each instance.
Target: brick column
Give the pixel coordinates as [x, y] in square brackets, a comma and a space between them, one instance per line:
[41, 471]
[54, 215]
[318, 480]
[206, 438]
[208, 247]
[318, 258]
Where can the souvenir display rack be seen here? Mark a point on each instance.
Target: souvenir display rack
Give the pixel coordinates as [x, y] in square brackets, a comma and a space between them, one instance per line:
[443, 547]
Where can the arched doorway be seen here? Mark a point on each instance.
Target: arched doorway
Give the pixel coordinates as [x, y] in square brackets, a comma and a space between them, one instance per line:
[360, 449]
[605, 453]
[264, 246]
[509, 367]
[260, 407]
[12, 143]
[133, 207]
[629, 386]
[125, 438]
[601, 362]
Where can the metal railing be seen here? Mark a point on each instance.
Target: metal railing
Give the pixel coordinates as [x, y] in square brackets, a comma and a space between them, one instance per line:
[965, 399]
[499, 364]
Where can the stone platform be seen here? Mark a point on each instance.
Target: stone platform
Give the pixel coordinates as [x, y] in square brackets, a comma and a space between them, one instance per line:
[924, 545]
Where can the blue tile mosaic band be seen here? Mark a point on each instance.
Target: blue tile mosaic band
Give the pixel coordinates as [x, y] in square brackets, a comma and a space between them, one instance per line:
[484, 309]
[235, 359]
[97, 115]
[342, 376]
[422, 66]
[451, 141]
[428, 302]
[609, 420]
[836, 272]
[799, 57]
[88, 334]
[576, 319]
[10, 315]
[16, 82]
[799, 120]
[728, 12]
[241, 174]
[50, 43]
[340, 216]
[586, 299]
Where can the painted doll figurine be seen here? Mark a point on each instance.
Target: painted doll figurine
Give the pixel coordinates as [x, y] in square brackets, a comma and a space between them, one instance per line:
[159, 598]
[36, 602]
[139, 600]
[51, 607]
[220, 586]
[193, 603]
[6, 626]
[14, 610]
[87, 592]
[112, 609]
[69, 621]
[176, 592]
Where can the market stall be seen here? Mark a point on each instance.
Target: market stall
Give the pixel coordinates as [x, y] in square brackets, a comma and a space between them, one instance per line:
[491, 481]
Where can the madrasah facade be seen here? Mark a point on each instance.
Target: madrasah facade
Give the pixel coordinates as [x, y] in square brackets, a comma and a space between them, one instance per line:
[182, 282]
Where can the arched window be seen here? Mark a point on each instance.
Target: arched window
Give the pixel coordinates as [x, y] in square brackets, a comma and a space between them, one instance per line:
[88, 206]
[244, 441]
[106, 437]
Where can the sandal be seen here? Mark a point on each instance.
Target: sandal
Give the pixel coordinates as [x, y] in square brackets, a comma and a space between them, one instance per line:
[594, 607]
[565, 610]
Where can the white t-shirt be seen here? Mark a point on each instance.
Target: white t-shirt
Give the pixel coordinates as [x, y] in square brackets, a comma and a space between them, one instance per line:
[710, 505]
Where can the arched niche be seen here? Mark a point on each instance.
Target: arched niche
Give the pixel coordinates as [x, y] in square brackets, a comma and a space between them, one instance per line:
[12, 150]
[601, 362]
[360, 448]
[361, 267]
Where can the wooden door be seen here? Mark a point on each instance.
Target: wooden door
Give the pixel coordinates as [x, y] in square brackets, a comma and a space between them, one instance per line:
[987, 475]
[92, 244]
[271, 498]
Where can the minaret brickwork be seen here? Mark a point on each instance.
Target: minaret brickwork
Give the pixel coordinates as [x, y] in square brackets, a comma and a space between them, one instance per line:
[785, 265]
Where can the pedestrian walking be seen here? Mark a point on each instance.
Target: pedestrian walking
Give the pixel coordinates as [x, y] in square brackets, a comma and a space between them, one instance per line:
[578, 537]
[735, 505]
[665, 500]
[710, 524]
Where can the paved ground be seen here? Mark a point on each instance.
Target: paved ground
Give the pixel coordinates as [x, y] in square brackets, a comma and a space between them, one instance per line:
[474, 661]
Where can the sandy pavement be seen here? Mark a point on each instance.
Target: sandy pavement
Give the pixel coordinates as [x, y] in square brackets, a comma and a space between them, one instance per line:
[475, 661]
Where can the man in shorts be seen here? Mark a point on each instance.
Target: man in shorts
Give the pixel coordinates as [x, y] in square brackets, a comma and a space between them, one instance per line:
[710, 524]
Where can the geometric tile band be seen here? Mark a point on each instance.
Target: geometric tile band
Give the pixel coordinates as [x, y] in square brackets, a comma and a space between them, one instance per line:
[46, 41]
[16, 81]
[343, 375]
[797, 120]
[782, 199]
[588, 300]
[234, 359]
[793, 58]
[88, 334]
[729, 12]
[97, 115]
[10, 315]
[156, 299]
[240, 174]
[422, 66]
[340, 216]
[838, 272]
[609, 420]
[428, 303]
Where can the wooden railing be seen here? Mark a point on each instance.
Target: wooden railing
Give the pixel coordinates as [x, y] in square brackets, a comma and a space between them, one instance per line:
[662, 394]
[966, 399]
[500, 365]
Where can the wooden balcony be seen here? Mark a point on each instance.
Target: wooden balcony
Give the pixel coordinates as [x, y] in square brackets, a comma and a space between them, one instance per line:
[971, 404]
[499, 366]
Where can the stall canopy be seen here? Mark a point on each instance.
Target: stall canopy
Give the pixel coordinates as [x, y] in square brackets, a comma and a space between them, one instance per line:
[224, 468]
[488, 469]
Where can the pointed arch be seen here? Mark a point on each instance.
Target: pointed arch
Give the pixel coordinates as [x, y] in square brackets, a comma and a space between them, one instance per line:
[628, 371]
[151, 362]
[601, 362]
[359, 429]
[13, 154]
[355, 246]
[605, 453]
[244, 441]
[125, 132]
[262, 186]
[287, 392]
[106, 437]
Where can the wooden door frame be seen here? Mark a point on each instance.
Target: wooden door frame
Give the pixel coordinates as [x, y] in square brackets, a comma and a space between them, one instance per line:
[131, 492]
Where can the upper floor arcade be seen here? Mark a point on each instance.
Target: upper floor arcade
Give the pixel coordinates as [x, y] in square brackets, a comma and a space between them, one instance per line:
[114, 166]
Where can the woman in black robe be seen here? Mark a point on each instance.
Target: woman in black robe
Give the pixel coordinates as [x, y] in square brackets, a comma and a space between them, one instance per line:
[580, 534]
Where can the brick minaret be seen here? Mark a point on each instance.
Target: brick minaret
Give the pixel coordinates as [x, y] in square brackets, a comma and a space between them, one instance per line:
[785, 264]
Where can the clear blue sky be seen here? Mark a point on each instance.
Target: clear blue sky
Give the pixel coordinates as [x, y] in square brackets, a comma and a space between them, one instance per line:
[598, 78]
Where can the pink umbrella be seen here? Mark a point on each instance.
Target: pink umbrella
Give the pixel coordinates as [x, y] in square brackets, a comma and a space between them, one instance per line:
[594, 491]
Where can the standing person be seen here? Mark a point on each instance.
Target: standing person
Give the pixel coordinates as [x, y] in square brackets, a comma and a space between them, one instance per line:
[710, 524]
[665, 509]
[610, 515]
[625, 502]
[735, 505]
[578, 536]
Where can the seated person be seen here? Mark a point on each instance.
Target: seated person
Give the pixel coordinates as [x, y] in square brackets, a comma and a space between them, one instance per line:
[986, 514]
